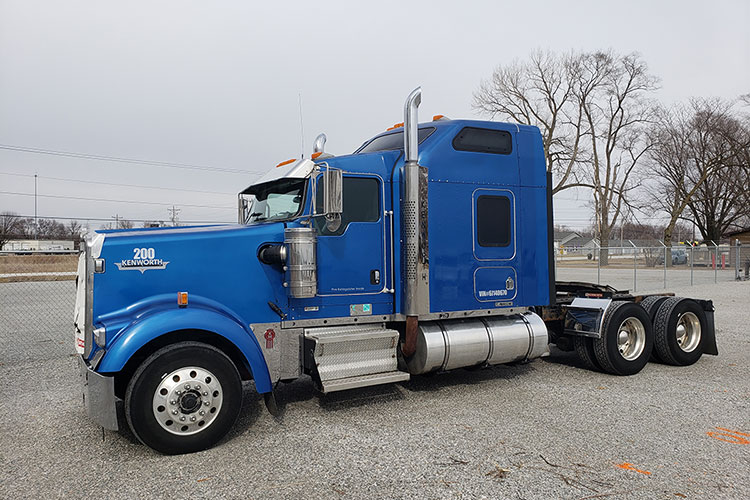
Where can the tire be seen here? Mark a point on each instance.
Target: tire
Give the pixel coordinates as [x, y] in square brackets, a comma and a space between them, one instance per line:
[627, 339]
[585, 349]
[192, 382]
[651, 305]
[678, 331]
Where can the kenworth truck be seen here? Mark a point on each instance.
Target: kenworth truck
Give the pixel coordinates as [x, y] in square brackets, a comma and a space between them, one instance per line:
[428, 249]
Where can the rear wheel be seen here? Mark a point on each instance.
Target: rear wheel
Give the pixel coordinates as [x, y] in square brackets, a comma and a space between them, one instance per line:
[585, 350]
[651, 305]
[626, 341]
[183, 398]
[678, 331]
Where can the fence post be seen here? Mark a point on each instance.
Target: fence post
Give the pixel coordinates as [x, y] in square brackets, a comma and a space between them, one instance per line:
[716, 262]
[635, 266]
[665, 263]
[692, 248]
[738, 276]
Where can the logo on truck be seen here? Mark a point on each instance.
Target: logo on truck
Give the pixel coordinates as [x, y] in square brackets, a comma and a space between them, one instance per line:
[143, 260]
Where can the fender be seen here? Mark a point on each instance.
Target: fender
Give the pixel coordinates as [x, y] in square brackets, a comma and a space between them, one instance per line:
[148, 327]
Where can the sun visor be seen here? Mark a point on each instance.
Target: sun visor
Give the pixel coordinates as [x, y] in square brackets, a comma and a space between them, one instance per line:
[298, 169]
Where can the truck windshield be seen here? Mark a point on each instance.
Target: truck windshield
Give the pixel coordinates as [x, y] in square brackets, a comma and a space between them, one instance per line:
[273, 201]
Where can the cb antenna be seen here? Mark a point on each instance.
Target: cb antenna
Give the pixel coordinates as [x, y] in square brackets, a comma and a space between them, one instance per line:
[301, 128]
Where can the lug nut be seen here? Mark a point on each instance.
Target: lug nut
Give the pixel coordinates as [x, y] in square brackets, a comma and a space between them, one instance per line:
[205, 393]
[197, 387]
[182, 419]
[207, 403]
[187, 387]
[173, 402]
[202, 412]
[178, 392]
[192, 419]
[174, 412]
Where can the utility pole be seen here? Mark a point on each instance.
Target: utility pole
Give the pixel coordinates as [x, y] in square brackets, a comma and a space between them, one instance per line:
[36, 222]
[116, 217]
[173, 212]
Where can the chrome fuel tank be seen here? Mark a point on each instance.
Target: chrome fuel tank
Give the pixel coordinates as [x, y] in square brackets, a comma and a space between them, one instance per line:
[445, 345]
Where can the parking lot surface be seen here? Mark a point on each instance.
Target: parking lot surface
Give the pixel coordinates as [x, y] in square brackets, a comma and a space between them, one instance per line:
[545, 429]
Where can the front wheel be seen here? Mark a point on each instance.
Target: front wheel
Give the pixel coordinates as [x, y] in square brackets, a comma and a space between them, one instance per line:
[626, 339]
[183, 398]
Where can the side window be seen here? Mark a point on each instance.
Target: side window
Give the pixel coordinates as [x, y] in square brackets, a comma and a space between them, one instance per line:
[493, 221]
[361, 204]
[482, 140]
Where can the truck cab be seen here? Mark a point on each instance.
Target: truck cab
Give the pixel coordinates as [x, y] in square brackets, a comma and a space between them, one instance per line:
[429, 248]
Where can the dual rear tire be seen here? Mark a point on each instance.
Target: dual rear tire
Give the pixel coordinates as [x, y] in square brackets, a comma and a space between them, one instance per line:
[666, 329]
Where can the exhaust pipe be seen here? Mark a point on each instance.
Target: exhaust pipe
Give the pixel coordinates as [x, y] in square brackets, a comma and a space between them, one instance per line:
[410, 218]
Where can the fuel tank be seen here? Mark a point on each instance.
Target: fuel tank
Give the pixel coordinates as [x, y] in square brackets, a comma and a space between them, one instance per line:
[449, 344]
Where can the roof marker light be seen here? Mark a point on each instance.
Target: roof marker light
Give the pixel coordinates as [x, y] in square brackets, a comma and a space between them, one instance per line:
[182, 299]
[286, 162]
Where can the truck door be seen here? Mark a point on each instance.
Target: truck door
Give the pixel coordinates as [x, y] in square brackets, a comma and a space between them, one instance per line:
[352, 259]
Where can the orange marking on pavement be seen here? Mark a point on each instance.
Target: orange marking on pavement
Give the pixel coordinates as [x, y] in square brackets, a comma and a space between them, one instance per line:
[629, 466]
[733, 436]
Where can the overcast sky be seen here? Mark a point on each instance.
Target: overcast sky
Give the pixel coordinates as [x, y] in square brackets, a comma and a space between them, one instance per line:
[218, 83]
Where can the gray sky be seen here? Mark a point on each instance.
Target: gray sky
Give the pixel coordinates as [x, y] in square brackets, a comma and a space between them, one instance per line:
[217, 83]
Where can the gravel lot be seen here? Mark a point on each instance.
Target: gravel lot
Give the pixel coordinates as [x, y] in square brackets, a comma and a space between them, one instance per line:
[546, 429]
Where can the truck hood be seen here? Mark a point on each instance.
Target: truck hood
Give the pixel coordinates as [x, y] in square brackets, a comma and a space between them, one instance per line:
[219, 262]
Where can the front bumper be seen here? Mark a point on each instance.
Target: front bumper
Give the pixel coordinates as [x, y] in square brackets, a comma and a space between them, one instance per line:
[98, 396]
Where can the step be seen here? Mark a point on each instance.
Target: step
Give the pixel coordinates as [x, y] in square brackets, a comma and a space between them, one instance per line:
[343, 384]
[346, 352]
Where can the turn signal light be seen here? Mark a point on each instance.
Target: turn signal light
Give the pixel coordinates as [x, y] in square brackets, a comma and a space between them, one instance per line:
[182, 299]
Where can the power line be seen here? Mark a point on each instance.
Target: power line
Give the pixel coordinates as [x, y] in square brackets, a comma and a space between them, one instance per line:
[99, 219]
[81, 198]
[116, 184]
[87, 156]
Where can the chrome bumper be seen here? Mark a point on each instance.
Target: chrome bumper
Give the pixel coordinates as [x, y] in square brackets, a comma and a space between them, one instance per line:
[98, 396]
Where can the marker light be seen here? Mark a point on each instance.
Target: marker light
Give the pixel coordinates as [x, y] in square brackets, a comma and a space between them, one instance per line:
[316, 155]
[182, 299]
[398, 125]
[286, 162]
[438, 117]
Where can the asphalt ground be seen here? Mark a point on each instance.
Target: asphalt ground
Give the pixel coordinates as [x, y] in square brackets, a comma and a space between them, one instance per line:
[545, 429]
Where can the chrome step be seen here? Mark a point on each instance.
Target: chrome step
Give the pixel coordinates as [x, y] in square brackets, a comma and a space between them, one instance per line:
[351, 356]
[364, 381]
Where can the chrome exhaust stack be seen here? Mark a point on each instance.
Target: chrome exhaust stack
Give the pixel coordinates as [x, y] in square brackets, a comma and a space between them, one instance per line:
[410, 211]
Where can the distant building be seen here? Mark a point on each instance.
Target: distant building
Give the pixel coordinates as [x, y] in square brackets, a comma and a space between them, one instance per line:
[37, 245]
[743, 236]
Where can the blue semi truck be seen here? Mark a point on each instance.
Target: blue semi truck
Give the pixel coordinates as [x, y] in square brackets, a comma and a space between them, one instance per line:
[427, 249]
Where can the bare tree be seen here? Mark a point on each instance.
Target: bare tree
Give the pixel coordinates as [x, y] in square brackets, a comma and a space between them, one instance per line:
[541, 92]
[11, 225]
[617, 112]
[688, 149]
[721, 202]
[592, 110]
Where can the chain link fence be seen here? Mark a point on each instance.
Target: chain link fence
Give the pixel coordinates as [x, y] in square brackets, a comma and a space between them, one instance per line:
[37, 289]
[37, 296]
[654, 268]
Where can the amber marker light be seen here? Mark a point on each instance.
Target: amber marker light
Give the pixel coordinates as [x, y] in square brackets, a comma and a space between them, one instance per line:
[286, 162]
[182, 299]
[316, 155]
[398, 125]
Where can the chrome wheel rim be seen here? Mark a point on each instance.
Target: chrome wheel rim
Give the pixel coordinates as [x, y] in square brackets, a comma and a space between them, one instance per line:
[631, 339]
[187, 400]
[688, 332]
